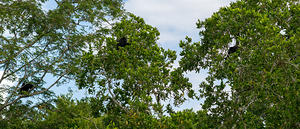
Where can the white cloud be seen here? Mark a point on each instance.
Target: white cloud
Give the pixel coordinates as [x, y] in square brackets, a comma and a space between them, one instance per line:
[174, 18]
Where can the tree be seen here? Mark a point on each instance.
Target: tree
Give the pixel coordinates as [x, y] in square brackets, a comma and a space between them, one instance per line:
[258, 85]
[134, 79]
[36, 43]
[68, 113]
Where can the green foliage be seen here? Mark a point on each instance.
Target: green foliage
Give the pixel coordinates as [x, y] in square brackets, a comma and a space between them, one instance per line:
[66, 113]
[70, 114]
[257, 86]
[78, 114]
[135, 78]
[24, 115]
[36, 43]
[187, 119]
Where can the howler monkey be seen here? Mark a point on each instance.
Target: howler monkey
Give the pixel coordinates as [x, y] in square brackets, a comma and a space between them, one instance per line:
[122, 42]
[26, 87]
[232, 50]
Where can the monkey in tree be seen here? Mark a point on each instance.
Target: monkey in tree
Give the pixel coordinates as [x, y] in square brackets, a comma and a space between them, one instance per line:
[26, 87]
[122, 42]
[231, 50]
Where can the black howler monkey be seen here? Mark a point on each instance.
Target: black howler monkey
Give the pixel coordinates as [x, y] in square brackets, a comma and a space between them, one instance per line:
[122, 42]
[232, 50]
[26, 87]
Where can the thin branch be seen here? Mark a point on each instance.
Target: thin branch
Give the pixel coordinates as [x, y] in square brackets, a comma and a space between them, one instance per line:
[4, 72]
[89, 119]
[113, 97]
[14, 91]
[35, 93]
[27, 46]
[44, 50]
[274, 64]
[25, 76]
[46, 71]
[4, 38]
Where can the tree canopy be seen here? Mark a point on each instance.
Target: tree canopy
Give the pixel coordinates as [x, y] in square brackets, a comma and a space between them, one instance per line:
[258, 85]
[36, 43]
[250, 49]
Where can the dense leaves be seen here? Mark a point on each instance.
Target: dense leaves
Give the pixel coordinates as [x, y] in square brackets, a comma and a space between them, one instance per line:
[258, 85]
[36, 44]
[79, 114]
[250, 49]
[133, 78]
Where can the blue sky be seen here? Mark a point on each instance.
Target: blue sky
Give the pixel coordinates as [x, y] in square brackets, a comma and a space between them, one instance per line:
[175, 19]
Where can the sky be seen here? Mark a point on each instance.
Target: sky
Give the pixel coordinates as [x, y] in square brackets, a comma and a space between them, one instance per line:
[5, 83]
[175, 19]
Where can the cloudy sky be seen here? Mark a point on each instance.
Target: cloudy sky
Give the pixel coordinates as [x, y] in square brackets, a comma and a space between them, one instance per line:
[176, 19]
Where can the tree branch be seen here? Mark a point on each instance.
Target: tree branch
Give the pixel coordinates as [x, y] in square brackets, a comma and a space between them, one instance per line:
[27, 46]
[4, 72]
[44, 50]
[35, 93]
[113, 97]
